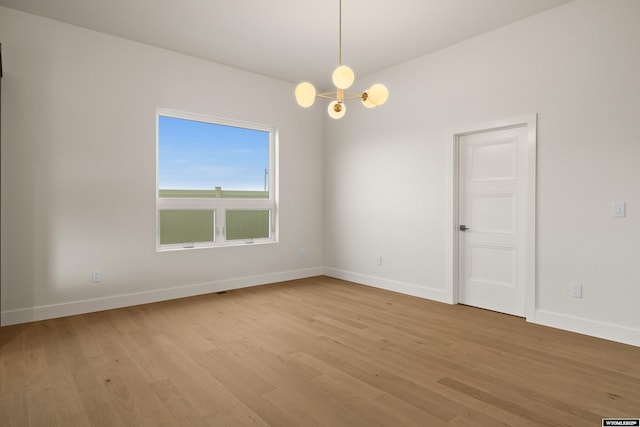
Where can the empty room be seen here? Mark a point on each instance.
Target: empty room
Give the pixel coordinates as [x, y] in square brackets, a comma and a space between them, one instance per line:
[319, 213]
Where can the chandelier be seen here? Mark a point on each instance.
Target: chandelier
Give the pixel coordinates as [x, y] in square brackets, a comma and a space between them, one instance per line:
[342, 78]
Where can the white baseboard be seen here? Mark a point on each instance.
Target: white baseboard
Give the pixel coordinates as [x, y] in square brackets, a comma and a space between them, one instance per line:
[579, 325]
[31, 314]
[439, 295]
[607, 331]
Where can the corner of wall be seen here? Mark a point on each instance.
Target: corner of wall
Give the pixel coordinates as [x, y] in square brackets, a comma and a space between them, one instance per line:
[439, 295]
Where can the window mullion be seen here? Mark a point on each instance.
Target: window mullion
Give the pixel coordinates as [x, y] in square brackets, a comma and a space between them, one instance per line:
[221, 218]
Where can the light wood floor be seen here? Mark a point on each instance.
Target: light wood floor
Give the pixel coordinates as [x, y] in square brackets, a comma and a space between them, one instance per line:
[313, 352]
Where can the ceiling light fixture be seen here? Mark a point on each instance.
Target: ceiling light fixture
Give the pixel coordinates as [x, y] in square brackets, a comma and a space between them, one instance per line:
[342, 78]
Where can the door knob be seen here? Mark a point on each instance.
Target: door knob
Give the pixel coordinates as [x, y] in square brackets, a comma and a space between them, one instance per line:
[464, 228]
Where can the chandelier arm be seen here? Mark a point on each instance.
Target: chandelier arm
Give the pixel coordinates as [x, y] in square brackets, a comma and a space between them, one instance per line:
[353, 94]
[328, 95]
[334, 95]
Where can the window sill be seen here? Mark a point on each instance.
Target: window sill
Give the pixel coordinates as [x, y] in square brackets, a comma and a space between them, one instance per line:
[173, 248]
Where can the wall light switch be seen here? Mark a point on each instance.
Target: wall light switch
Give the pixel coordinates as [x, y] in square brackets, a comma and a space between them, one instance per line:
[575, 290]
[619, 209]
[96, 276]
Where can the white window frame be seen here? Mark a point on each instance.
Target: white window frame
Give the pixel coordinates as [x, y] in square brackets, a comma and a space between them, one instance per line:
[220, 205]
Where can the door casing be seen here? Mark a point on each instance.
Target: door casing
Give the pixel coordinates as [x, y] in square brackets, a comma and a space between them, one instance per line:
[451, 234]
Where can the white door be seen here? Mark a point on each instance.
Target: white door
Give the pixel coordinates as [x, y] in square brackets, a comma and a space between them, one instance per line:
[492, 220]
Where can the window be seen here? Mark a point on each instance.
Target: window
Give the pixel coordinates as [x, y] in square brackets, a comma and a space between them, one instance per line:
[215, 182]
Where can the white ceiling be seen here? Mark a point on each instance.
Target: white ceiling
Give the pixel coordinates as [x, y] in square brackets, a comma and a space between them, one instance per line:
[292, 40]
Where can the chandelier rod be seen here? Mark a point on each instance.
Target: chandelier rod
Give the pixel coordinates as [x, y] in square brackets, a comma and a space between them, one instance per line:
[340, 36]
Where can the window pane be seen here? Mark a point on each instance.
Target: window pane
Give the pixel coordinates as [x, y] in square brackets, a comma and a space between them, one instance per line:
[247, 224]
[182, 226]
[209, 160]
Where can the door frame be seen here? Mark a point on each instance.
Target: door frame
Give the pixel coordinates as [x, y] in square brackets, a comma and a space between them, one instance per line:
[451, 235]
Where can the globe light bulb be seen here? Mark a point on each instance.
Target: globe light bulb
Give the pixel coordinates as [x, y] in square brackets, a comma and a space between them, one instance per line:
[377, 94]
[343, 77]
[366, 101]
[336, 109]
[305, 94]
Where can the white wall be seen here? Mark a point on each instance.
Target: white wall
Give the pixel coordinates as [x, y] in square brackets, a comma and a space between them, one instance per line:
[577, 66]
[78, 171]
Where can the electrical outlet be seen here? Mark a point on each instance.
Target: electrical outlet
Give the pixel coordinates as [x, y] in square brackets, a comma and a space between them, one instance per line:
[302, 253]
[96, 276]
[575, 290]
[379, 260]
[619, 209]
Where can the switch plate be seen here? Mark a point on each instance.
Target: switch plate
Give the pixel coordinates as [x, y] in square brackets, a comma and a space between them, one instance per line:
[379, 260]
[575, 290]
[96, 276]
[619, 209]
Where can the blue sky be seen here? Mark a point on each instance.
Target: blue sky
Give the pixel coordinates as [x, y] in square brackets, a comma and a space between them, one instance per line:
[201, 156]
